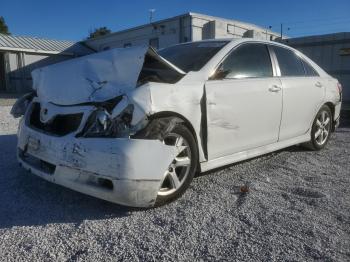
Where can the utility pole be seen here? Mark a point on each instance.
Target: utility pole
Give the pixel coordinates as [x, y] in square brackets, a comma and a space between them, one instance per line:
[151, 13]
[281, 31]
[288, 28]
[267, 29]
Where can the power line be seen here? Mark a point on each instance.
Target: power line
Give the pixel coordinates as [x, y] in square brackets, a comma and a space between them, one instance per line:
[320, 24]
[315, 20]
[311, 26]
[329, 23]
[308, 32]
[330, 26]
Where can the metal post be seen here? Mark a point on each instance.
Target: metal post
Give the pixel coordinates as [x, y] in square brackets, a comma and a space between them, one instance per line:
[266, 31]
[281, 31]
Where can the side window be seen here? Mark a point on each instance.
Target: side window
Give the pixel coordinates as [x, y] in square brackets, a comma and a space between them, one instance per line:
[290, 64]
[247, 61]
[309, 70]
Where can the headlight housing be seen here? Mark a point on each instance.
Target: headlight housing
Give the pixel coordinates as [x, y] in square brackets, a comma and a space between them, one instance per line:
[103, 124]
[20, 106]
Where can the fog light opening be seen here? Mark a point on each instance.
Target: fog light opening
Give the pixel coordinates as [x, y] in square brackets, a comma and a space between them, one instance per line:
[106, 183]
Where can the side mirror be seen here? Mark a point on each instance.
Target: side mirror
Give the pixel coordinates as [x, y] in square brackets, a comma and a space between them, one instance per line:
[219, 74]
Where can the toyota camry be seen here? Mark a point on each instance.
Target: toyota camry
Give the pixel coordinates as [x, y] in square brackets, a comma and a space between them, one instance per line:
[134, 125]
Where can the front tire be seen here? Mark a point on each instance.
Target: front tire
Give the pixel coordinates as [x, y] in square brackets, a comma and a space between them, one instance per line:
[183, 168]
[321, 129]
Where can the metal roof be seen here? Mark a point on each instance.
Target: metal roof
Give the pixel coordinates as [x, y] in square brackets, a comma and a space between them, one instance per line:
[41, 45]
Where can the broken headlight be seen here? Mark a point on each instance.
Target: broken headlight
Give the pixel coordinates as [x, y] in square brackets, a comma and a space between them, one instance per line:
[20, 106]
[101, 123]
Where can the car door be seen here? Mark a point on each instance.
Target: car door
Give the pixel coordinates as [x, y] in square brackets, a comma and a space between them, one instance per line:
[244, 102]
[303, 93]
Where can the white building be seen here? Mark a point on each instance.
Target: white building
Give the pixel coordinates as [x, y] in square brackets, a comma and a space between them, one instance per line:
[183, 28]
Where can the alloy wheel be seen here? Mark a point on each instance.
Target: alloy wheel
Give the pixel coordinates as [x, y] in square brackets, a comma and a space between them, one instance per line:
[323, 126]
[179, 169]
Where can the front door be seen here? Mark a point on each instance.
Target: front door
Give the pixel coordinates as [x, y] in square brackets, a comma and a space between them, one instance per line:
[244, 102]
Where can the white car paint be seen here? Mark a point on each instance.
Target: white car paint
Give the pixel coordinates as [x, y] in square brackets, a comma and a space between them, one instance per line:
[302, 97]
[96, 77]
[244, 118]
[250, 98]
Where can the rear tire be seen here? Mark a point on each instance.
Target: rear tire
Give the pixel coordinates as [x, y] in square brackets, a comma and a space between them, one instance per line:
[321, 129]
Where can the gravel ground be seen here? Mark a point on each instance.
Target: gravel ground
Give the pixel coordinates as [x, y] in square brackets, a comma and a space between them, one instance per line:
[297, 208]
[8, 99]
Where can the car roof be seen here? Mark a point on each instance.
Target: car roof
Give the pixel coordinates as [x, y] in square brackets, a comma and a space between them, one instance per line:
[233, 41]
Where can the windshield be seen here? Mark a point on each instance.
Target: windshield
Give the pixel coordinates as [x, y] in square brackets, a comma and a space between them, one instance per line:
[192, 56]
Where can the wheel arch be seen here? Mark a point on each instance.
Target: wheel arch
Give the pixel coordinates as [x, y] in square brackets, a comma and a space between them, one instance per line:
[186, 122]
[332, 108]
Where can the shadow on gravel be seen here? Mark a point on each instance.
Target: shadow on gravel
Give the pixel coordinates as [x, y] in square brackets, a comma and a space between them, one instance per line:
[27, 200]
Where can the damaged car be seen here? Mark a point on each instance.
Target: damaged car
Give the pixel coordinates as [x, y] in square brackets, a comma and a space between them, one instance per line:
[133, 125]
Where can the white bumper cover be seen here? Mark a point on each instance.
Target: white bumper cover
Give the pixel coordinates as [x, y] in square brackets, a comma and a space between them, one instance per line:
[133, 168]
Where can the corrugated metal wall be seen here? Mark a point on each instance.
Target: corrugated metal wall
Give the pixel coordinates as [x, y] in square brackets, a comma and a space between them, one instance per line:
[18, 67]
[21, 54]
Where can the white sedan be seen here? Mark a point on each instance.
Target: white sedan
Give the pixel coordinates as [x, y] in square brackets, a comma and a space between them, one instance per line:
[133, 126]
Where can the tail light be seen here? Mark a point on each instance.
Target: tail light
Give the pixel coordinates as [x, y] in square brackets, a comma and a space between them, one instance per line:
[340, 90]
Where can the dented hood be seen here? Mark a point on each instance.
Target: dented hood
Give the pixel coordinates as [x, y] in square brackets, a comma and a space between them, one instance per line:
[94, 78]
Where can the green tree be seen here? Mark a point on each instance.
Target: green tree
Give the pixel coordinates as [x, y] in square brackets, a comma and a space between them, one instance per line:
[99, 32]
[3, 27]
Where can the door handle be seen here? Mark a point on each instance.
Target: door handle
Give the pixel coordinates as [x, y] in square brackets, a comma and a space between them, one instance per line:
[318, 84]
[275, 88]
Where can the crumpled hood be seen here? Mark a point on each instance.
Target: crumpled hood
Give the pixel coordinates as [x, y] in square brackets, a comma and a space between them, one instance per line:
[93, 78]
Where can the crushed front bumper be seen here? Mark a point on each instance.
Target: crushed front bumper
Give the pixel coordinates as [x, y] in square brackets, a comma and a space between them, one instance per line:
[120, 170]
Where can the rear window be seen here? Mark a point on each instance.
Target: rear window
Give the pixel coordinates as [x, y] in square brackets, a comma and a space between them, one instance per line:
[290, 64]
[192, 56]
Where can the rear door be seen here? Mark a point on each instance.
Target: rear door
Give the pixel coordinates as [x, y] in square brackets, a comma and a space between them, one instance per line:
[244, 102]
[303, 93]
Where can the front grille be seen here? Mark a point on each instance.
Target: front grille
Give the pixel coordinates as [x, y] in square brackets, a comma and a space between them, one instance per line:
[61, 125]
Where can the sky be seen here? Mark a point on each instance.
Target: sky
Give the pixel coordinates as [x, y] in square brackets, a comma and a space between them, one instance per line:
[73, 20]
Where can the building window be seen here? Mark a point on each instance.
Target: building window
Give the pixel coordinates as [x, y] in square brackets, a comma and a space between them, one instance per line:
[106, 48]
[127, 45]
[154, 42]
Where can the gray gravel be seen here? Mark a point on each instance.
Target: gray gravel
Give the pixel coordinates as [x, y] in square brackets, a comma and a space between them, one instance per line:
[8, 124]
[297, 208]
